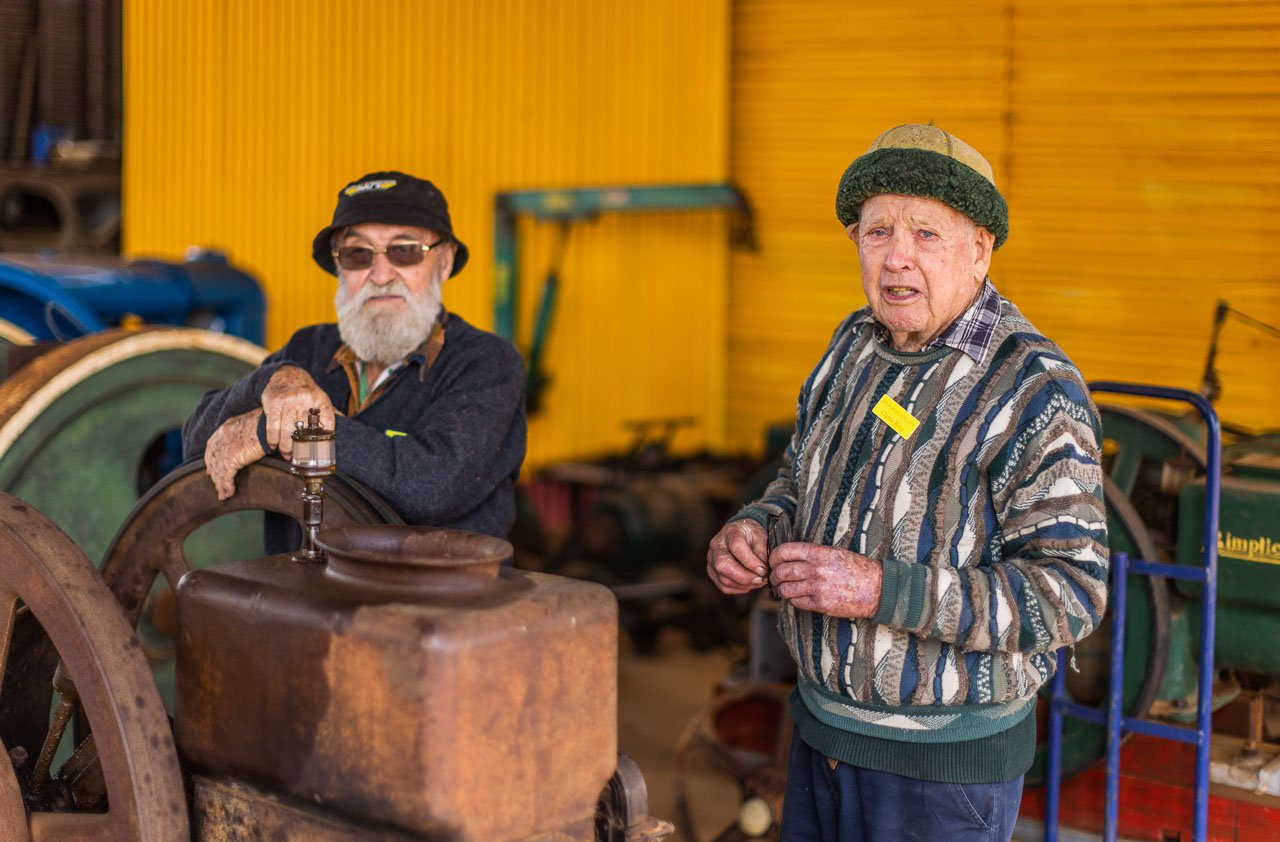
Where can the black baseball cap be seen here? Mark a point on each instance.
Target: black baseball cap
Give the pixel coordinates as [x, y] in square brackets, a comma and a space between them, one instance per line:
[392, 198]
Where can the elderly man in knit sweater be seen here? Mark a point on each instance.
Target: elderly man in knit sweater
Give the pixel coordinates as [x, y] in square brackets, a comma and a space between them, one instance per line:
[429, 411]
[937, 530]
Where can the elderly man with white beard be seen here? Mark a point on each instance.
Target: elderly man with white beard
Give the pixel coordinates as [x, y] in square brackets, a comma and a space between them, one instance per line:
[429, 411]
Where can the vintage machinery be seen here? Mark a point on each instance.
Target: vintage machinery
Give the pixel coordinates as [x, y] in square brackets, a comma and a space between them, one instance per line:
[1154, 487]
[63, 297]
[566, 206]
[639, 521]
[744, 733]
[72, 380]
[65, 208]
[85, 425]
[61, 628]
[314, 458]
[1156, 777]
[425, 689]
[61, 124]
[180, 524]
[412, 687]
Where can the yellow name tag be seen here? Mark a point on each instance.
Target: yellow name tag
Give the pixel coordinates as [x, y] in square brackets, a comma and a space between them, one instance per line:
[393, 433]
[890, 412]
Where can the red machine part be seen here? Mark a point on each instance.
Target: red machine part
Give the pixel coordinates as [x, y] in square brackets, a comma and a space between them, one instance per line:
[1156, 788]
[744, 733]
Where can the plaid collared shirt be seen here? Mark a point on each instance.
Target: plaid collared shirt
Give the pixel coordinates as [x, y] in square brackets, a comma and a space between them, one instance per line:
[970, 333]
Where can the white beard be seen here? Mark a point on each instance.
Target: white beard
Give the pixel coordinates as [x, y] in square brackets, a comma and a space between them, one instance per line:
[386, 337]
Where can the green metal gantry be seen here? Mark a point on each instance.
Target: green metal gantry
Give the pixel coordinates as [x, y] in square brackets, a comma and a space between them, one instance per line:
[577, 204]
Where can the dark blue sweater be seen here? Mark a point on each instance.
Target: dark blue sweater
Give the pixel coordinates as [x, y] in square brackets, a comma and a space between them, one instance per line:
[463, 423]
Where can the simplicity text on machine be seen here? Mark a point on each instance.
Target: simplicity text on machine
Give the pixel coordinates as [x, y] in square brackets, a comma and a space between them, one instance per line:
[1249, 549]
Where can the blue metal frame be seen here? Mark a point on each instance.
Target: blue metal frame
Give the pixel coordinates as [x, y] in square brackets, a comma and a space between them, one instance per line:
[1113, 718]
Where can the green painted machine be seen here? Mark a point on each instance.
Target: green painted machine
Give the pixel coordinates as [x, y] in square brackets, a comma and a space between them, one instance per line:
[1248, 574]
[1158, 462]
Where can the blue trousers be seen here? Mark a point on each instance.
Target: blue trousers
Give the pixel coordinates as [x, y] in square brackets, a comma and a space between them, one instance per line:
[850, 804]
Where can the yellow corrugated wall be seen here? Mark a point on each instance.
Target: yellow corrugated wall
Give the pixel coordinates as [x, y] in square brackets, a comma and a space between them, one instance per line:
[1138, 144]
[1146, 181]
[244, 118]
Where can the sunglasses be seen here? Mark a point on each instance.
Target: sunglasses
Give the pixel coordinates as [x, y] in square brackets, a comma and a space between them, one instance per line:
[408, 253]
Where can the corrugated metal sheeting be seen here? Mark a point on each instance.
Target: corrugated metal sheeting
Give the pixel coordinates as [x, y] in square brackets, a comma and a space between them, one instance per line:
[245, 118]
[1138, 144]
[1146, 182]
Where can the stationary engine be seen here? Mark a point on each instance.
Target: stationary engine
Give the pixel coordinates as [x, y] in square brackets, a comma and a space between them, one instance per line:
[412, 686]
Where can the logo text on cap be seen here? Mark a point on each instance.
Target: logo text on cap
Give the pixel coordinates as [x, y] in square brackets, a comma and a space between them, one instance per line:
[366, 186]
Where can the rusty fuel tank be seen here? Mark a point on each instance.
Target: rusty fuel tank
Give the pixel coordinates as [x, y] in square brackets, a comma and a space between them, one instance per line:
[412, 681]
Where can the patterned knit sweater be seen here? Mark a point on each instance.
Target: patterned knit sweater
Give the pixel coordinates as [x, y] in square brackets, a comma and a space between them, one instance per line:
[989, 523]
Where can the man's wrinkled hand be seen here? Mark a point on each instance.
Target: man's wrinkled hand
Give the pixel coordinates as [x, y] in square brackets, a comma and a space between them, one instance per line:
[289, 396]
[737, 556]
[829, 580]
[231, 447]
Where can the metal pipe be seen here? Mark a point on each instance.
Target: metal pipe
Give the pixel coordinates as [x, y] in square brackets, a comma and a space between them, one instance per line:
[1115, 694]
[1208, 605]
[312, 515]
[1208, 599]
[1250, 747]
[1053, 760]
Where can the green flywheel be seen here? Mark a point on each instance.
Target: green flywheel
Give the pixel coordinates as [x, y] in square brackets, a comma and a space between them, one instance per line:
[79, 422]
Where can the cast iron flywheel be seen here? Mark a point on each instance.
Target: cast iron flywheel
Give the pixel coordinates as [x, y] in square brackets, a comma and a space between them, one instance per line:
[79, 423]
[1146, 651]
[61, 628]
[168, 533]
[1137, 443]
[1150, 457]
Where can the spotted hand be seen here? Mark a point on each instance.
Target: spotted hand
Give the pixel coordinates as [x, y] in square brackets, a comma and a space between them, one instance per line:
[736, 557]
[289, 396]
[828, 580]
[231, 447]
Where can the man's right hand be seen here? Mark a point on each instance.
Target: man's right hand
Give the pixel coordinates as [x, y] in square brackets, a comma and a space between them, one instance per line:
[289, 395]
[231, 447]
[736, 559]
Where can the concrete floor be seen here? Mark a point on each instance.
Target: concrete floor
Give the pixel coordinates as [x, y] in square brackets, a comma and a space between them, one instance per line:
[658, 694]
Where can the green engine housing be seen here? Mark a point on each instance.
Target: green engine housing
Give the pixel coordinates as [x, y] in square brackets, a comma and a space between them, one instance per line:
[1248, 612]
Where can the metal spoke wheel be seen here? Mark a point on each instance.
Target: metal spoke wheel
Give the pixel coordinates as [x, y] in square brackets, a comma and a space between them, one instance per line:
[1149, 458]
[150, 553]
[1146, 649]
[1138, 442]
[62, 633]
[744, 735]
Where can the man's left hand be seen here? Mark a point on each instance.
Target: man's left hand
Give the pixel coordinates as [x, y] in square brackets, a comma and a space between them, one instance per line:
[829, 580]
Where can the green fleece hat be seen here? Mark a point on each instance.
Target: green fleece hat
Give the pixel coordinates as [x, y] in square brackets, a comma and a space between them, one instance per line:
[916, 160]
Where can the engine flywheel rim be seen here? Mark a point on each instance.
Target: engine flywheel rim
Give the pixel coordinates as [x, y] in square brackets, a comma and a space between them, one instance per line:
[48, 586]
